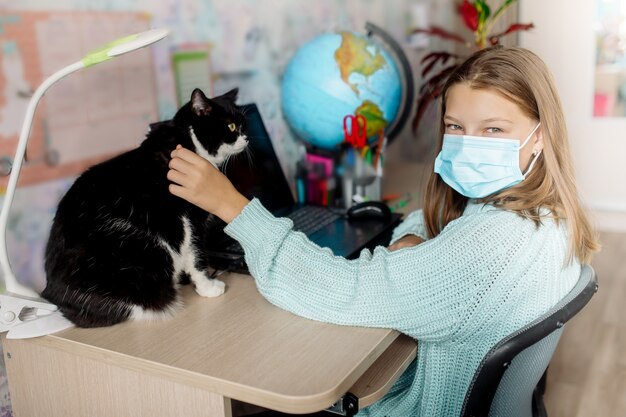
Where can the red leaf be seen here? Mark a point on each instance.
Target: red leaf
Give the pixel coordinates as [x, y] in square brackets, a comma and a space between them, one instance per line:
[422, 105]
[515, 27]
[430, 90]
[442, 33]
[439, 78]
[469, 14]
[432, 58]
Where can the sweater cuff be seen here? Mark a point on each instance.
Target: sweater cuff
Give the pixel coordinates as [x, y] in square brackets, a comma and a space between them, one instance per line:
[412, 225]
[254, 222]
[397, 237]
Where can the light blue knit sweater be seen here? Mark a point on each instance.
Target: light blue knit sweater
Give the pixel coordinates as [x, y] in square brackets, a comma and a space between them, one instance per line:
[487, 273]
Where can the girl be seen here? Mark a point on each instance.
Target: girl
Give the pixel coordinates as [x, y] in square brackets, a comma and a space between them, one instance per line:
[500, 239]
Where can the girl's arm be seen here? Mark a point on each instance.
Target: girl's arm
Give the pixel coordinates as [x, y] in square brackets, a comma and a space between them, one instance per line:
[412, 225]
[426, 291]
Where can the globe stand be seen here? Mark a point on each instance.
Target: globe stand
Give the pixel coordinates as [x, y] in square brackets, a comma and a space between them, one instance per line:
[408, 85]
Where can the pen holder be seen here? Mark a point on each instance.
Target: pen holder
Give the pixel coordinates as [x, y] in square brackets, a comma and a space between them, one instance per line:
[360, 180]
[341, 177]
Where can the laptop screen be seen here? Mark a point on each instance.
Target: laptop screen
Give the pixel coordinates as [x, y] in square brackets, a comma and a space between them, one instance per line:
[257, 171]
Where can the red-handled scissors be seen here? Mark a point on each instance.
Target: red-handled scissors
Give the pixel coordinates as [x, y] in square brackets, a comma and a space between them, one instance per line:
[354, 130]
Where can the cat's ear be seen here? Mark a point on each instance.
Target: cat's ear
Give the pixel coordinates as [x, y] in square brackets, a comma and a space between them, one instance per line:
[200, 104]
[231, 95]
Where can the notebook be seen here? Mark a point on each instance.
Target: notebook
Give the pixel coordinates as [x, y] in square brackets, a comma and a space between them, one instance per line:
[259, 174]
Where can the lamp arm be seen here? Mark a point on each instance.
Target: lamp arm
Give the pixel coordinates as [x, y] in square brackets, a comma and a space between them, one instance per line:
[11, 283]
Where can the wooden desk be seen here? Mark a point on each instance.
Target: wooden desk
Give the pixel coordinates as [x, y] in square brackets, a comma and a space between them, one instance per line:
[235, 346]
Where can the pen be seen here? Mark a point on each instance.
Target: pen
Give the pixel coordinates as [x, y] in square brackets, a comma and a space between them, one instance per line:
[301, 182]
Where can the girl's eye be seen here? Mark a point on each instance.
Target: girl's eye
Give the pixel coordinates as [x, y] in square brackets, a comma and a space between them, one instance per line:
[452, 126]
[232, 127]
[494, 130]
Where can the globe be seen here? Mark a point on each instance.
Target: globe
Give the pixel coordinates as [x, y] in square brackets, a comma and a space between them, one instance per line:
[339, 74]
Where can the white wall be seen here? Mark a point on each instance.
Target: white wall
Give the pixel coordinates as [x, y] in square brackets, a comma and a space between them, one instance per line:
[564, 38]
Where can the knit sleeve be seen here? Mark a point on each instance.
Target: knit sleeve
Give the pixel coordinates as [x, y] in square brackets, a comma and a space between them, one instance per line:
[412, 225]
[424, 291]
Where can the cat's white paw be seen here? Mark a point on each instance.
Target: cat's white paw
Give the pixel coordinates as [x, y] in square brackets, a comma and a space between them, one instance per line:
[210, 287]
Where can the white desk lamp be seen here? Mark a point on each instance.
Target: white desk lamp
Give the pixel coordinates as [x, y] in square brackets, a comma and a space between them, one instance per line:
[21, 309]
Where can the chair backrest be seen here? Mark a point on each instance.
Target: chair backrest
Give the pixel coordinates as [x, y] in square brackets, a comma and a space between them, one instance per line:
[511, 381]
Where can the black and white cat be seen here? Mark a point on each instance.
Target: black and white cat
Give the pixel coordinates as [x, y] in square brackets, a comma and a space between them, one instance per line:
[120, 244]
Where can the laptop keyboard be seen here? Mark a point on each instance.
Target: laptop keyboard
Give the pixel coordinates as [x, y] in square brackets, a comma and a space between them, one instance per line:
[306, 219]
[309, 219]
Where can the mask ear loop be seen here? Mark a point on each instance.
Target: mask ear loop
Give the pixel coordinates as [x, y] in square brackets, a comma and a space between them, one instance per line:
[530, 136]
[532, 164]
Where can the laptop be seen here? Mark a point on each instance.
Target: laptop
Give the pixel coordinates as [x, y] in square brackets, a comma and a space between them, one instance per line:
[257, 173]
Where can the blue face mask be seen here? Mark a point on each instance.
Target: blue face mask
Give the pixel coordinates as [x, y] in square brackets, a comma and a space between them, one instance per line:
[477, 166]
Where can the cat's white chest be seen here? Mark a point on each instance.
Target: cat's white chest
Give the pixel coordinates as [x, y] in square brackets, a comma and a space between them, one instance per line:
[185, 260]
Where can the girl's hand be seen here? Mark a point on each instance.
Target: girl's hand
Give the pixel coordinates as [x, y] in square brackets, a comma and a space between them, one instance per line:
[196, 180]
[406, 242]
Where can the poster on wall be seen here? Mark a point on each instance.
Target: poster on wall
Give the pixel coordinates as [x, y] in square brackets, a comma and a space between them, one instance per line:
[86, 117]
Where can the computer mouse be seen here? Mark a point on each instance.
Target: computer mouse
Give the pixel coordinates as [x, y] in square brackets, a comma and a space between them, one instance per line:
[369, 210]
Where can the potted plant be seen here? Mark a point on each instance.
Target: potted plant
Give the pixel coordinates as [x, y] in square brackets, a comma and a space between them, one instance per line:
[478, 18]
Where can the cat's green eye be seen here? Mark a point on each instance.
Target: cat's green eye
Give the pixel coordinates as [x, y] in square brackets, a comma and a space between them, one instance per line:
[232, 127]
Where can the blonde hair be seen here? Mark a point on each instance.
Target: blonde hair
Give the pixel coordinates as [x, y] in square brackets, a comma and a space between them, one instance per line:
[523, 78]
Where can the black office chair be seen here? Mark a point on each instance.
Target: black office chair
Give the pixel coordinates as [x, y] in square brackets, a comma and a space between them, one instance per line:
[510, 380]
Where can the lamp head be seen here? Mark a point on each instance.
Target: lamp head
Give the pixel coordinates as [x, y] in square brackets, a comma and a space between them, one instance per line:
[124, 45]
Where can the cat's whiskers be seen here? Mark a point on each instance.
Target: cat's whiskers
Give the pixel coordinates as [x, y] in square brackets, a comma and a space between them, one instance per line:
[249, 154]
[224, 162]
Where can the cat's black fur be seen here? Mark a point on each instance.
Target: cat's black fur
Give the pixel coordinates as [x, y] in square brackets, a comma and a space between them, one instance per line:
[108, 246]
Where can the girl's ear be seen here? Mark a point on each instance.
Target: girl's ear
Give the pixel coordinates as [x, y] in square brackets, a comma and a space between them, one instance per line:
[538, 142]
